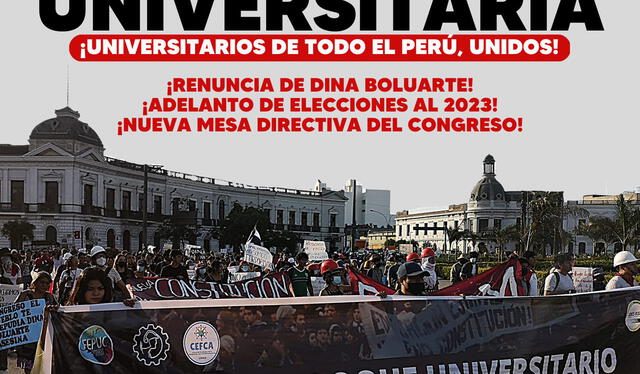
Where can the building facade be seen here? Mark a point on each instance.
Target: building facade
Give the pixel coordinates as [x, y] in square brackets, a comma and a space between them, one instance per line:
[62, 183]
[489, 208]
[372, 207]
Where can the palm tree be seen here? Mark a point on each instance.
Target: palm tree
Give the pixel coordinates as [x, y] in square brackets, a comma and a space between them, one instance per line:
[623, 229]
[472, 236]
[453, 236]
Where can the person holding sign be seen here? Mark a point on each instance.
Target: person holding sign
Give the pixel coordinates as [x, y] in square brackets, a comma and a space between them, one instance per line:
[38, 290]
[627, 265]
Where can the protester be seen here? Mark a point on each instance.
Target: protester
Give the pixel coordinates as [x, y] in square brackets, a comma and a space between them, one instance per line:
[392, 272]
[559, 281]
[332, 275]
[413, 257]
[528, 262]
[456, 269]
[68, 278]
[470, 269]
[43, 263]
[175, 269]
[99, 260]
[93, 286]
[300, 277]
[83, 260]
[627, 266]
[10, 272]
[38, 290]
[376, 271]
[598, 279]
[142, 270]
[26, 264]
[428, 257]
[411, 279]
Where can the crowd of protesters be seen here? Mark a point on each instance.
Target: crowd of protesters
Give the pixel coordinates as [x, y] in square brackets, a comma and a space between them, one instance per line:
[98, 275]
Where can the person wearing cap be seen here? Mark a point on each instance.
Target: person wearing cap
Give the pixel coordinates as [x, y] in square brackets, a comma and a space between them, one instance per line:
[333, 276]
[99, 260]
[83, 259]
[429, 264]
[142, 269]
[627, 265]
[175, 269]
[598, 279]
[411, 279]
[456, 269]
[559, 281]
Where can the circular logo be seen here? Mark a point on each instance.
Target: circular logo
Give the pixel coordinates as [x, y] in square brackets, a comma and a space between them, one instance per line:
[151, 344]
[201, 343]
[633, 316]
[96, 346]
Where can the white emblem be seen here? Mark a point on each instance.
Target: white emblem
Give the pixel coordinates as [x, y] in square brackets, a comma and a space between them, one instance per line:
[151, 344]
[201, 343]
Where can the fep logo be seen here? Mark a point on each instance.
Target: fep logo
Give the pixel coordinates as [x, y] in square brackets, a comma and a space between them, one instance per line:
[201, 343]
[151, 344]
[96, 346]
[633, 316]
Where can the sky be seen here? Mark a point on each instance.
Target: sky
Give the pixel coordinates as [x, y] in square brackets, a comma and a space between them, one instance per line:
[580, 115]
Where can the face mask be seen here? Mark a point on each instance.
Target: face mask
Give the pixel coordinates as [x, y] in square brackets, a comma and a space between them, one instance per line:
[202, 270]
[473, 259]
[140, 269]
[245, 268]
[101, 261]
[415, 288]
[337, 280]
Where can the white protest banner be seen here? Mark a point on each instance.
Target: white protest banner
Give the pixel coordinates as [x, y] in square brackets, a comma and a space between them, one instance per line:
[191, 250]
[406, 248]
[317, 250]
[583, 279]
[257, 255]
[9, 293]
[237, 276]
[318, 284]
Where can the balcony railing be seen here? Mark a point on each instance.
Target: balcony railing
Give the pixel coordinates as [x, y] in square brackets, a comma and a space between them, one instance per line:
[49, 208]
[111, 213]
[91, 210]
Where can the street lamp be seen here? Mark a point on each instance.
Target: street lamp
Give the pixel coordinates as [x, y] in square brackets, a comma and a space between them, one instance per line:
[383, 215]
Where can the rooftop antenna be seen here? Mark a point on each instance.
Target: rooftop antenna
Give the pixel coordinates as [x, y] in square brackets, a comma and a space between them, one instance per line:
[67, 85]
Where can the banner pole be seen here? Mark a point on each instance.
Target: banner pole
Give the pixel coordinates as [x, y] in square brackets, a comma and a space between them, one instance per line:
[48, 350]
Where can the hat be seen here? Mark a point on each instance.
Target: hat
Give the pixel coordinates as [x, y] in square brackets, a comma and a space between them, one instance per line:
[142, 262]
[14, 251]
[66, 257]
[97, 249]
[82, 251]
[291, 260]
[39, 275]
[410, 269]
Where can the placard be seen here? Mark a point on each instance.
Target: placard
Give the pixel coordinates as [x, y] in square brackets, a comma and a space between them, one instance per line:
[582, 279]
[257, 255]
[317, 250]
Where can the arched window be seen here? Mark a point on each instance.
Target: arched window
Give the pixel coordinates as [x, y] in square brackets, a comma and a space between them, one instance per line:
[51, 235]
[221, 212]
[111, 238]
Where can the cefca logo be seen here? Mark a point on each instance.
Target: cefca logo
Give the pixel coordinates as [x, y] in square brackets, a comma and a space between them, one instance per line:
[632, 319]
[201, 343]
[96, 346]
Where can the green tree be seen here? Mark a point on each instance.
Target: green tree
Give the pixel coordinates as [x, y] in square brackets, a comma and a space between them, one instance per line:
[623, 229]
[453, 236]
[177, 231]
[599, 229]
[502, 236]
[18, 232]
[236, 227]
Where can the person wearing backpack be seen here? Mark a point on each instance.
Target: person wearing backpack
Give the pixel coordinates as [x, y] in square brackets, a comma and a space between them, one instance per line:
[559, 282]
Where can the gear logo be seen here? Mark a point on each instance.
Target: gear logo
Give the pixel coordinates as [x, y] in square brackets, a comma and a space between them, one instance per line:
[151, 344]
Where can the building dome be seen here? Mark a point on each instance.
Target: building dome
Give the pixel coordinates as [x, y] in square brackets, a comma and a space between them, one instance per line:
[66, 126]
[488, 188]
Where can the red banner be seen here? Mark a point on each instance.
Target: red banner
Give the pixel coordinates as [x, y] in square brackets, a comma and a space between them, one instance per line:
[363, 285]
[503, 280]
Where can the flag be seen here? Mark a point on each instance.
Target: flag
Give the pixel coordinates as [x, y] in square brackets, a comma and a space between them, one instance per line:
[254, 236]
[363, 285]
[505, 279]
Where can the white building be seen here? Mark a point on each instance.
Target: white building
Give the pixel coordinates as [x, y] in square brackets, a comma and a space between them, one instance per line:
[489, 207]
[62, 183]
[373, 207]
